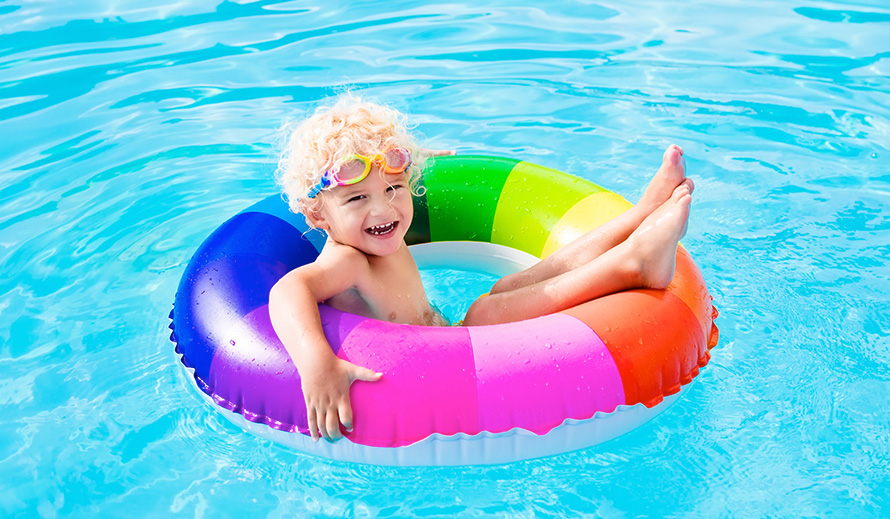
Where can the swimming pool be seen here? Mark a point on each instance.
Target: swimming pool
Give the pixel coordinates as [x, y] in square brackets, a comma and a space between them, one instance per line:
[130, 132]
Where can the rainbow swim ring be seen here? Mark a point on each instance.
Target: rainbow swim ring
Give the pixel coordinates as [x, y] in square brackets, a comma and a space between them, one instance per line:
[449, 396]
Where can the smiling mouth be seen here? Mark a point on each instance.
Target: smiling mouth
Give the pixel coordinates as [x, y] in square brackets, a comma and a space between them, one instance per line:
[383, 229]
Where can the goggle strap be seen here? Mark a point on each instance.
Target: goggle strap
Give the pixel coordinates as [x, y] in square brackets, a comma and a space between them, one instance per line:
[322, 184]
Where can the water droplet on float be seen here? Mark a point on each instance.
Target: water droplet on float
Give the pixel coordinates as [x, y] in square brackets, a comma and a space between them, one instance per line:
[232, 342]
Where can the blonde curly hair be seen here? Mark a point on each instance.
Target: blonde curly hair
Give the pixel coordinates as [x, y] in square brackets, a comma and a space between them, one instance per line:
[350, 126]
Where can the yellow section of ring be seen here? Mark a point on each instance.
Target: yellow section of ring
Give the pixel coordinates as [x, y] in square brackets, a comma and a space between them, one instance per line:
[587, 214]
[532, 202]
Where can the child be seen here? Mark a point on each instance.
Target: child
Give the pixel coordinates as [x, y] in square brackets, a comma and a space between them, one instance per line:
[351, 169]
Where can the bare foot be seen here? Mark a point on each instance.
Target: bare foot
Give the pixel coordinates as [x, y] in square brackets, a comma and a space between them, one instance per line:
[671, 173]
[653, 246]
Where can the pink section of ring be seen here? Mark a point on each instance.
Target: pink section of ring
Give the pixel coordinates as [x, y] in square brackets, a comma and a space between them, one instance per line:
[428, 383]
[534, 374]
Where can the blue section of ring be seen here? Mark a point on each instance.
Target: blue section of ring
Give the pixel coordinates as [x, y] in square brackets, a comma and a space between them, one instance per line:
[276, 206]
[231, 274]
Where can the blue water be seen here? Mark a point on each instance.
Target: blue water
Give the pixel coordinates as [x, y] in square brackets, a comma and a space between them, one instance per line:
[129, 132]
[453, 290]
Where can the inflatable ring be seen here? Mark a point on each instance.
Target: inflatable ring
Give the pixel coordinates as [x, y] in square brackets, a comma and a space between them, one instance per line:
[460, 395]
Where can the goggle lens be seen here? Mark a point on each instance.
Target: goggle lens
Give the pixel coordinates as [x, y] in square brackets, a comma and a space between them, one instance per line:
[397, 159]
[351, 170]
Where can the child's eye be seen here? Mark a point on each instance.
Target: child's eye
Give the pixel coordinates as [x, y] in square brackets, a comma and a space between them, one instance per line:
[394, 187]
[356, 198]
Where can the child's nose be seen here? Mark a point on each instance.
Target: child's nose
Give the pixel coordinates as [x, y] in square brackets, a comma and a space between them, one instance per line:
[382, 206]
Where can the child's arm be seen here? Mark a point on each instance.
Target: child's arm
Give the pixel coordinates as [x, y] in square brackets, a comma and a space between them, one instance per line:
[293, 308]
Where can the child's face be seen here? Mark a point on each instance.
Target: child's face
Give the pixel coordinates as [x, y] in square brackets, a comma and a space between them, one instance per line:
[372, 215]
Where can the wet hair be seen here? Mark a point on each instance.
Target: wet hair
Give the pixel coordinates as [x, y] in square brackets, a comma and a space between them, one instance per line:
[350, 125]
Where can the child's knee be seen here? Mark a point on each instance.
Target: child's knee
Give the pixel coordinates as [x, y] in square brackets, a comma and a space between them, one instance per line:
[473, 315]
[482, 311]
[507, 283]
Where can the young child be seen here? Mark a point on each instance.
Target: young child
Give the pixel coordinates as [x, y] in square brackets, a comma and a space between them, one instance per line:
[351, 169]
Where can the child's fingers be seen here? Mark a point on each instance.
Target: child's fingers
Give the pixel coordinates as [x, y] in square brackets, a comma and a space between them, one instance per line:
[345, 412]
[313, 424]
[322, 426]
[365, 374]
[439, 153]
[333, 425]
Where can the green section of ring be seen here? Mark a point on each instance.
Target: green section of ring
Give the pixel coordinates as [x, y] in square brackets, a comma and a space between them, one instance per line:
[462, 195]
[532, 202]
[419, 232]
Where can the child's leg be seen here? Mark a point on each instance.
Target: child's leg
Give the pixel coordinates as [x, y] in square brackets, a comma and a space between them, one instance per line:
[594, 243]
[645, 259]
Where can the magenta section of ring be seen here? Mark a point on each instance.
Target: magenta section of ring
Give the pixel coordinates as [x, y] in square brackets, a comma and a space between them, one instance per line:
[428, 384]
[534, 374]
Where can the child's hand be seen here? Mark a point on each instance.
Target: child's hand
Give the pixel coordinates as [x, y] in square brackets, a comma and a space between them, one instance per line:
[326, 390]
[437, 153]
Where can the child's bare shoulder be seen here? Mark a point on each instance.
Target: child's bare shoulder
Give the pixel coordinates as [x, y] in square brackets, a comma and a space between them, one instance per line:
[339, 257]
[337, 269]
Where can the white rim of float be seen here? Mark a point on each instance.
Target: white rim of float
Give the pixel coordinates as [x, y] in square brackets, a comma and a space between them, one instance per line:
[464, 449]
[498, 260]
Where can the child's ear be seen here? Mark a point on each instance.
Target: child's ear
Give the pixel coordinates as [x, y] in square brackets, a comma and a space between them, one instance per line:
[312, 212]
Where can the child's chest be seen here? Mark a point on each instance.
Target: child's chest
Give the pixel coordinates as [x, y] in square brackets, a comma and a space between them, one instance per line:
[395, 293]
[390, 291]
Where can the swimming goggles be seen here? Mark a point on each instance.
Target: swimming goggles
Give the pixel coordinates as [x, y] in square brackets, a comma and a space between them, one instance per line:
[355, 168]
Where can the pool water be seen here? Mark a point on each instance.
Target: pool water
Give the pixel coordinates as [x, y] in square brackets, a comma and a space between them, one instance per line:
[452, 290]
[130, 130]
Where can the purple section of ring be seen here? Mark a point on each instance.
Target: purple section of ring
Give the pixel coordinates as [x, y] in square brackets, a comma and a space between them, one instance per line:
[337, 325]
[256, 375]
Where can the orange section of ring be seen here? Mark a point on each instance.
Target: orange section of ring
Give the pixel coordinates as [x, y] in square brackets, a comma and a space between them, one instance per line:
[654, 337]
[689, 285]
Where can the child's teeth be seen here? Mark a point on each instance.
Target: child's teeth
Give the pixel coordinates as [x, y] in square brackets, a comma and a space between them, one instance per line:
[381, 229]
